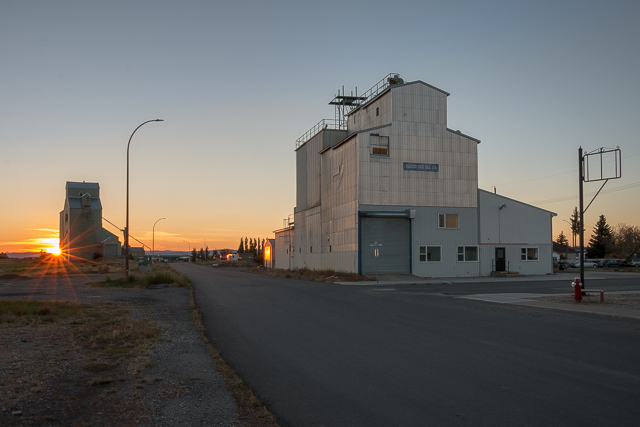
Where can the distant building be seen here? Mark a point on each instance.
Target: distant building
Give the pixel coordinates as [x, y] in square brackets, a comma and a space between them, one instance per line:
[81, 232]
[388, 187]
[269, 253]
[136, 252]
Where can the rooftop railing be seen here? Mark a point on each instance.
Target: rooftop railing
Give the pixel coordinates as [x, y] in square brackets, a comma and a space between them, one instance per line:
[321, 125]
[340, 123]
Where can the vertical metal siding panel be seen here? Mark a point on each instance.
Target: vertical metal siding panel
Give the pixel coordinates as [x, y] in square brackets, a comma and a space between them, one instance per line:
[301, 177]
[314, 146]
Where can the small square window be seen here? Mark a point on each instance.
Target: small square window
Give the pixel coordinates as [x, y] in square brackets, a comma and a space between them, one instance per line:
[448, 221]
[379, 145]
[467, 253]
[429, 253]
[529, 254]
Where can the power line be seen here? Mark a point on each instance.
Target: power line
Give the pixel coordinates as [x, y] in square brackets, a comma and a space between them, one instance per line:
[120, 229]
[609, 190]
[574, 171]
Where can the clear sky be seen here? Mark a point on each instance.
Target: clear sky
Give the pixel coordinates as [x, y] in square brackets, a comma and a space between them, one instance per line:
[237, 82]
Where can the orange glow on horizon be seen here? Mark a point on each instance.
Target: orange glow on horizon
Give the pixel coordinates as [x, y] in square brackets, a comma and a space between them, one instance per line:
[50, 245]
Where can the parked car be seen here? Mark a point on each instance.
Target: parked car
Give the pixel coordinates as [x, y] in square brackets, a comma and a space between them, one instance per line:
[587, 264]
[609, 263]
[635, 262]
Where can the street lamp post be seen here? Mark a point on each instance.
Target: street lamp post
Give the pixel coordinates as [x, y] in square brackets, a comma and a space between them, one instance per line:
[153, 244]
[126, 228]
[188, 244]
[573, 233]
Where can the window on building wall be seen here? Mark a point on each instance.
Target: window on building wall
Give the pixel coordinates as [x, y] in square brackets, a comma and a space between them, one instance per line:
[448, 221]
[429, 253]
[529, 254]
[377, 111]
[467, 253]
[379, 145]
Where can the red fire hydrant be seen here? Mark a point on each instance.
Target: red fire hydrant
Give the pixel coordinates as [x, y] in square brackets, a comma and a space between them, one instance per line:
[577, 289]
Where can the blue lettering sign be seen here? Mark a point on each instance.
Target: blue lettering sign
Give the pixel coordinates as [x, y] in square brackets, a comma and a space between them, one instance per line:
[426, 167]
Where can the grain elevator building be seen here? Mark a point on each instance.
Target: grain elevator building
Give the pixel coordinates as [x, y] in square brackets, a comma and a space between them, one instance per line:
[387, 187]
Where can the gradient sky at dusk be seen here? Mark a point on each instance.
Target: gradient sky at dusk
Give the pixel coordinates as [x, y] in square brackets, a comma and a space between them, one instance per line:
[237, 83]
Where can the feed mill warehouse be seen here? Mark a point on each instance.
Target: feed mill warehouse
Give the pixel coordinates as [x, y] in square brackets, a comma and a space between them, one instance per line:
[388, 176]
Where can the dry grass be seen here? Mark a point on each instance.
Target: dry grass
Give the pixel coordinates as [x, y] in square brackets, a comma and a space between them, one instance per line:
[87, 356]
[161, 274]
[326, 276]
[51, 264]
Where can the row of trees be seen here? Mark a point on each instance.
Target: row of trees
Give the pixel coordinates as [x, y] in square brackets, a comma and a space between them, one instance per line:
[255, 246]
[621, 241]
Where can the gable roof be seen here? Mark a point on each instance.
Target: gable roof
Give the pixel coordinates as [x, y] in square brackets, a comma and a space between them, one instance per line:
[76, 203]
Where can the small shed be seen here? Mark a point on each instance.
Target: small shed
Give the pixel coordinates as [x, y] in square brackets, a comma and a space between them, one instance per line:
[269, 253]
[136, 252]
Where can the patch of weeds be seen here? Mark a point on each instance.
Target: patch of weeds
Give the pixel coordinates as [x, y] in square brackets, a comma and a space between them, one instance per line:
[98, 367]
[160, 275]
[37, 311]
[66, 398]
[101, 381]
[255, 402]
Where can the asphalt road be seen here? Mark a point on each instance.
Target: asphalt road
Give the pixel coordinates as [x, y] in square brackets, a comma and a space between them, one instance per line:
[331, 355]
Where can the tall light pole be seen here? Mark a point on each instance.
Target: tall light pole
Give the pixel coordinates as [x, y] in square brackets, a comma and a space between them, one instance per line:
[572, 232]
[153, 244]
[188, 244]
[126, 228]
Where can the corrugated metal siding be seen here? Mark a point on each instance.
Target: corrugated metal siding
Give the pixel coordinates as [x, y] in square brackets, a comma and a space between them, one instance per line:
[301, 178]
[419, 135]
[394, 254]
[282, 256]
[314, 146]
[338, 232]
[515, 226]
[425, 232]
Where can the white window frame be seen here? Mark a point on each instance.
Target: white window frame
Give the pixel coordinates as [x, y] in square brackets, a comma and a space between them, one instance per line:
[524, 254]
[380, 142]
[442, 219]
[426, 253]
[464, 254]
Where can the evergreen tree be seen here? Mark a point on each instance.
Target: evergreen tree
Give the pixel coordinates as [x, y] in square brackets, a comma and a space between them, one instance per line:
[562, 239]
[246, 244]
[202, 253]
[241, 247]
[206, 253]
[600, 239]
[193, 255]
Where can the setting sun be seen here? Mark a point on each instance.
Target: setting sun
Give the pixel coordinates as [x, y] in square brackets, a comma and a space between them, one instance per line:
[54, 251]
[50, 245]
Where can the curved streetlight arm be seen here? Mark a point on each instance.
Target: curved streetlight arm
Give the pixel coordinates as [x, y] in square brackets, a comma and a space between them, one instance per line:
[153, 244]
[126, 232]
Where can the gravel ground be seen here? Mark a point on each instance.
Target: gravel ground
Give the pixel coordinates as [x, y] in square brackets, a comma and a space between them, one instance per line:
[182, 388]
[619, 300]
